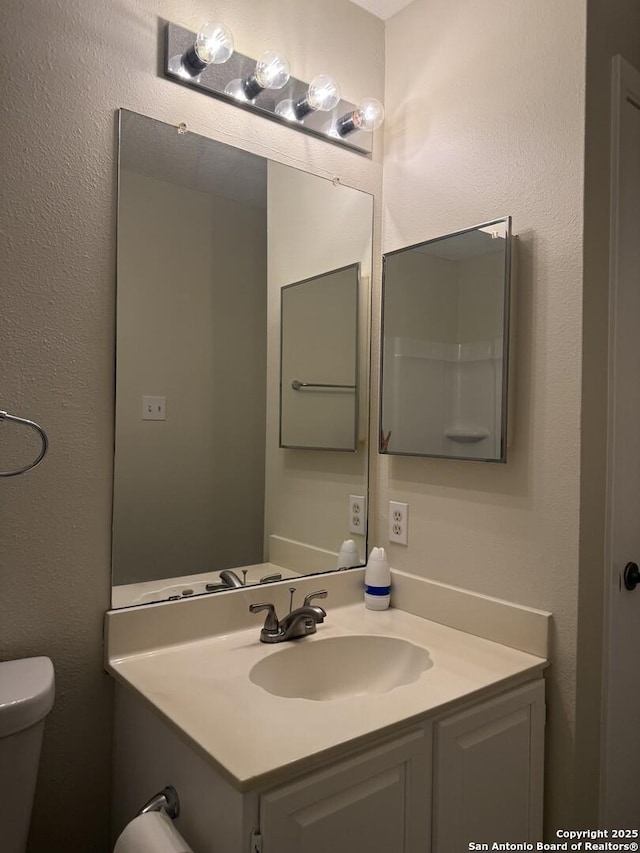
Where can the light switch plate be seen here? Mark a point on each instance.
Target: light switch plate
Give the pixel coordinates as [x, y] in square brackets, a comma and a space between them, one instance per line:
[154, 408]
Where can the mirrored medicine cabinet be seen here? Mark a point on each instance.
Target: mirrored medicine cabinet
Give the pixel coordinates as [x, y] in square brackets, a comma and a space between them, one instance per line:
[445, 361]
[211, 490]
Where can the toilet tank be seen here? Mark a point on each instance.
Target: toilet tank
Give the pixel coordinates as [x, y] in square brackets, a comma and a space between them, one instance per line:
[26, 697]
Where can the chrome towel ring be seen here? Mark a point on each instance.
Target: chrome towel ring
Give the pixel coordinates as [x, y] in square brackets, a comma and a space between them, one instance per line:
[5, 416]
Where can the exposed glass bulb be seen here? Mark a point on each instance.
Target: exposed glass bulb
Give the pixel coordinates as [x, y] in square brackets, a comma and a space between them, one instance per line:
[324, 93]
[213, 46]
[214, 43]
[368, 115]
[272, 70]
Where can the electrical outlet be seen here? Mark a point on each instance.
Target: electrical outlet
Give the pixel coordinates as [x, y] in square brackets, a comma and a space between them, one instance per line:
[398, 523]
[357, 514]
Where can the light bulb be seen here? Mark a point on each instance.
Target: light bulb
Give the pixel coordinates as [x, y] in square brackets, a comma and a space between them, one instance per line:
[214, 43]
[272, 70]
[323, 94]
[368, 116]
[213, 46]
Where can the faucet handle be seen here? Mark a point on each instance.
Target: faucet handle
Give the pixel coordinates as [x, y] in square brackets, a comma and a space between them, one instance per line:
[271, 620]
[271, 578]
[320, 593]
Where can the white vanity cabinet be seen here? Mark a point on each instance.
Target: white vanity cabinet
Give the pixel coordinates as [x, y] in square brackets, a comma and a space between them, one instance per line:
[472, 774]
[377, 801]
[488, 771]
[476, 775]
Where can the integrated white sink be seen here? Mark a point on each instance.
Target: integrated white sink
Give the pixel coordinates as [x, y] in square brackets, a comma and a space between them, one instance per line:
[381, 668]
[340, 667]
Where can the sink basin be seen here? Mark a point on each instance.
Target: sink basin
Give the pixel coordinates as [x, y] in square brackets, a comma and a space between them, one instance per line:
[340, 667]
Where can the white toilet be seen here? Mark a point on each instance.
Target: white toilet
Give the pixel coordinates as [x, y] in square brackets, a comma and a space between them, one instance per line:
[26, 697]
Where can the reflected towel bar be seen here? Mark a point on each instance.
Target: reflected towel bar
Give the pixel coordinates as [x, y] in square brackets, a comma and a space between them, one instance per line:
[5, 416]
[297, 385]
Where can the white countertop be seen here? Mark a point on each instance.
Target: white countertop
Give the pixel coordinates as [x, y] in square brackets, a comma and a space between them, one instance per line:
[202, 689]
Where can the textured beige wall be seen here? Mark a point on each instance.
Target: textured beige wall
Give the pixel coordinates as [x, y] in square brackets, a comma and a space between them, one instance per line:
[613, 26]
[67, 66]
[489, 122]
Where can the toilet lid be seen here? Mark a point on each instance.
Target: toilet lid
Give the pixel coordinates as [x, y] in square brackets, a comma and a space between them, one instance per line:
[27, 689]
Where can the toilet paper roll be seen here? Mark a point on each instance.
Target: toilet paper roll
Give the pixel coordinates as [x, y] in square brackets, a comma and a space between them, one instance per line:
[153, 832]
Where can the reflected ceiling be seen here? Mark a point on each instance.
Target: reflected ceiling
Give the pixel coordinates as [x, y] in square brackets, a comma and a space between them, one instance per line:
[184, 159]
[382, 8]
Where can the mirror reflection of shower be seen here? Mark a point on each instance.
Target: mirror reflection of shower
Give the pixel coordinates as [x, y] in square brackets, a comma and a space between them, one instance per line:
[445, 312]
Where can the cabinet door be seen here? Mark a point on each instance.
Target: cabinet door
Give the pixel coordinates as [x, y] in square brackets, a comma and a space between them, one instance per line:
[488, 772]
[378, 801]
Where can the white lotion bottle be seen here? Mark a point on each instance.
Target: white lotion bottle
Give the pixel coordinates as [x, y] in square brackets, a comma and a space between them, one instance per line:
[377, 581]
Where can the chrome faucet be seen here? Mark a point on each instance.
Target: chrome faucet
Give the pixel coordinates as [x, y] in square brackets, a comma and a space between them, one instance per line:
[230, 579]
[297, 623]
[319, 611]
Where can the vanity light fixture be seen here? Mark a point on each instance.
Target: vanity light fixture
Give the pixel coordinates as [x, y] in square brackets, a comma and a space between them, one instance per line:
[208, 62]
[213, 45]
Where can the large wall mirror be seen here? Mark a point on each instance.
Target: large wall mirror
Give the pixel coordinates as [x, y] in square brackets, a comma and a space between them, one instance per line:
[446, 346]
[205, 499]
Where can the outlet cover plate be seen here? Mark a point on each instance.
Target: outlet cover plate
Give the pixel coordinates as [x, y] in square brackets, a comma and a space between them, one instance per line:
[398, 522]
[358, 515]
